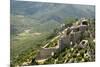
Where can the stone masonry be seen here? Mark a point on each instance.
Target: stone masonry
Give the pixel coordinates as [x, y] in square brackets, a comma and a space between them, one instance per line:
[68, 35]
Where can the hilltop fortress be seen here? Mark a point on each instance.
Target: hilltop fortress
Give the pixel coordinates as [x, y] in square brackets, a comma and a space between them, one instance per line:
[68, 37]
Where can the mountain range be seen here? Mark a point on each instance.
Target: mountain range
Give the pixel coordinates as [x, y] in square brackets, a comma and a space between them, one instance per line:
[47, 13]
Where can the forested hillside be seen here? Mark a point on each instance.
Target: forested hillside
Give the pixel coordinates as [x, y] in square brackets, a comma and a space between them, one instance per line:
[33, 24]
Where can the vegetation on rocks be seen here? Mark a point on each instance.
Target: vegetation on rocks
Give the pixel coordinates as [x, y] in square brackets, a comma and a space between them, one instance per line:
[34, 24]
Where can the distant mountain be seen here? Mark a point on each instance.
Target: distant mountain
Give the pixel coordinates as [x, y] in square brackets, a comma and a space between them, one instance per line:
[42, 15]
[48, 11]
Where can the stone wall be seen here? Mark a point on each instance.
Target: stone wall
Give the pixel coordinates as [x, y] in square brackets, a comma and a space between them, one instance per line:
[70, 34]
[45, 53]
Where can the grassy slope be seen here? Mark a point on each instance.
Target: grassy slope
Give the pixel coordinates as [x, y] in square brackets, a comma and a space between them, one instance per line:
[23, 42]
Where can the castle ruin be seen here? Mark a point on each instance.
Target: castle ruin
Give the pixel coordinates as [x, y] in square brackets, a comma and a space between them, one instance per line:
[66, 38]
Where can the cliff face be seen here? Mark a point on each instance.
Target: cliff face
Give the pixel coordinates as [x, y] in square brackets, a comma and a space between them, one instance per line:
[67, 38]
